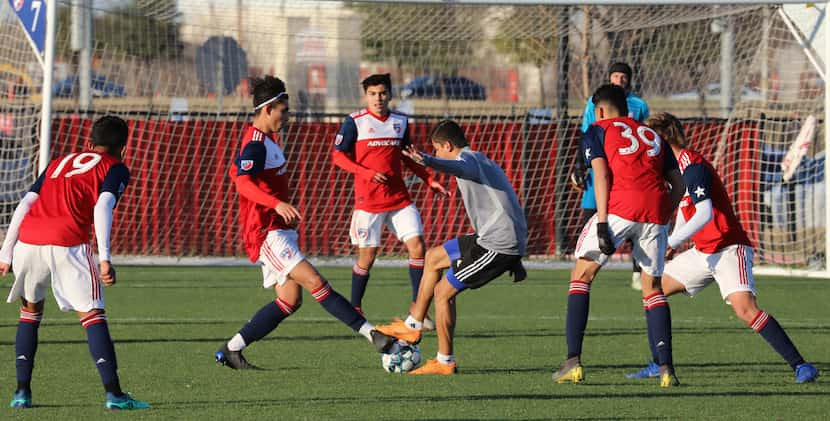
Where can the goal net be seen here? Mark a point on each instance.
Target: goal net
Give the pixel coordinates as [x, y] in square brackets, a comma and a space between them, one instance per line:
[517, 77]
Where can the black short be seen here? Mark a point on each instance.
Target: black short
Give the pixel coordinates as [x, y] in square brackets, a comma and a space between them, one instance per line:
[473, 266]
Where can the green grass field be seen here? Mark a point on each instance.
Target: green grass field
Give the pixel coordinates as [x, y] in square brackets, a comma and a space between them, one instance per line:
[168, 321]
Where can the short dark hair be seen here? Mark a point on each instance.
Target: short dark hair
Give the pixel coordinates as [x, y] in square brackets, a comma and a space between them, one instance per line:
[449, 131]
[265, 89]
[110, 131]
[377, 79]
[620, 67]
[613, 95]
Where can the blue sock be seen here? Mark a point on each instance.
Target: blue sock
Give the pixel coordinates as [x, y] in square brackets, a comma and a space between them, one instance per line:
[102, 351]
[658, 319]
[577, 318]
[265, 320]
[338, 307]
[416, 271]
[774, 334]
[360, 278]
[25, 347]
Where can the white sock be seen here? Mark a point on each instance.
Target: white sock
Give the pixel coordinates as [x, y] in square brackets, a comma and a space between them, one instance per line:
[414, 324]
[366, 330]
[445, 359]
[236, 343]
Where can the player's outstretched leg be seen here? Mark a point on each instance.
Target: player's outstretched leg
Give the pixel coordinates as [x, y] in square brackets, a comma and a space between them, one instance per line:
[103, 355]
[444, 363]
[437, 259]
[763, 323]
[307, 276]
[25, 348]
[261, 324]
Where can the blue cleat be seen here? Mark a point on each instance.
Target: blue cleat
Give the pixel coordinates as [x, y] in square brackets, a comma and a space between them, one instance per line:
[124, 402]
[805, 373]
[22, 399]
[650, 371]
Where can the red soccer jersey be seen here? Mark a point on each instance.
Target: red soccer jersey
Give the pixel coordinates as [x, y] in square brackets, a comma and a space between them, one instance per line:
[67, 193]
[376, 143]
[702, 182]
[262, 159]
[638, 161]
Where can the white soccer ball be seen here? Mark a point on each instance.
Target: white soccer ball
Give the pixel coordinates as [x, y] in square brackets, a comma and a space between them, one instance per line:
[401, 358]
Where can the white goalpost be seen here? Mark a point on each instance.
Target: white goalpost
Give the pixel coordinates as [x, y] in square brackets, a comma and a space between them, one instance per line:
[743, 76]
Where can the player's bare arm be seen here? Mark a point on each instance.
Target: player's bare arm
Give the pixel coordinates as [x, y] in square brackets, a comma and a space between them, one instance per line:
[107, 272]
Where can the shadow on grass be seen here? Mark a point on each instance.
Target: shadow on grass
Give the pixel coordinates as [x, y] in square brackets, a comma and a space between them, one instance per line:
[668, 394]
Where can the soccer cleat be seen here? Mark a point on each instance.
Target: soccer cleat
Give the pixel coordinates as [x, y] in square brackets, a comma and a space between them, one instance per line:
[400, 330]
[650, 371]
[233, 359]
[636, 282]
[124, 402]
[805, 373]
[433, 366]
[382, 342]
[667, 377]
[428, 324]
[22, 399]
[569, 371]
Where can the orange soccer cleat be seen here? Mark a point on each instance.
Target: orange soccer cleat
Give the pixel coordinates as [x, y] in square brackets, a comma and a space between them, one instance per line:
[434, 367]
[400, 330]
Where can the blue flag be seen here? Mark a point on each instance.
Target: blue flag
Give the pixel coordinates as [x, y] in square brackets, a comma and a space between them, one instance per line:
[32, 16]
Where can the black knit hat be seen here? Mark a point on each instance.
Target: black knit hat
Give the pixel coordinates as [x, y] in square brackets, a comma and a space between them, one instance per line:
[620, 67]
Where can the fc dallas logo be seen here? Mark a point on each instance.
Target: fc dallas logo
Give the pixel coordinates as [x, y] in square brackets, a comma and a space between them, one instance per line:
[18, 4]
[397, 127]
[246, 164]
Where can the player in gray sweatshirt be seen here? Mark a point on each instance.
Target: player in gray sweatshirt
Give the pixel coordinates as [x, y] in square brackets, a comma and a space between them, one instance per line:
[473, 260]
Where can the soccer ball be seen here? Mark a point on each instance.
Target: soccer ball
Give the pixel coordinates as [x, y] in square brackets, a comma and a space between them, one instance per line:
[401, 358]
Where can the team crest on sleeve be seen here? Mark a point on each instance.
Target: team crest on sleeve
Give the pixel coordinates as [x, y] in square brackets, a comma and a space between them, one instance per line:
[338, 139]
[246, 164]
[286, 254]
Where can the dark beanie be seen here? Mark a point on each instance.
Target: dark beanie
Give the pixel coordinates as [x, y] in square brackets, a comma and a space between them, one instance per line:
[620, 67]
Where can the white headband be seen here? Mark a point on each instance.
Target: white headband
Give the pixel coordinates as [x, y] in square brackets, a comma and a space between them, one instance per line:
[279, 95]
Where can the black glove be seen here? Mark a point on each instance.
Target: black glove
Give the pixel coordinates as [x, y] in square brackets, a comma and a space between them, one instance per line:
[518, 272]
[577, 179]
[606, 245]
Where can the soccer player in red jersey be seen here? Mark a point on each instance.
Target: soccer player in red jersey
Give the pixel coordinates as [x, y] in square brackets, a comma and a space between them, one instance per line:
[722, 252]
[631, 167]
[47, 243]
[268, 223]
[369, 146]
